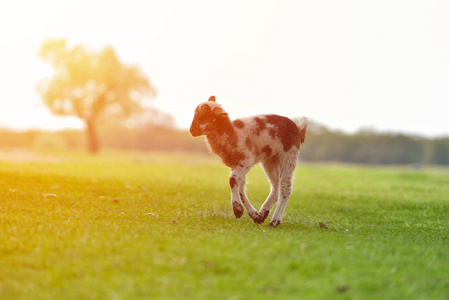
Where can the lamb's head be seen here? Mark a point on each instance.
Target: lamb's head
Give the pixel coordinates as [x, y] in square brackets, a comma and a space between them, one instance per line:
[208, 117]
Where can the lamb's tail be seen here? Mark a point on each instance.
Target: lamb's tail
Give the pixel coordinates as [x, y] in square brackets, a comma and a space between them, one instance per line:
[302, 125]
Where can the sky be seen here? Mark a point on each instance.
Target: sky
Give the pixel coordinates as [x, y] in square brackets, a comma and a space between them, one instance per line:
[350, 65]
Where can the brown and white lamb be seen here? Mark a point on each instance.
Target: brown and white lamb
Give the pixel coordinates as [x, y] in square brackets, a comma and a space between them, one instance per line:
[272, 140]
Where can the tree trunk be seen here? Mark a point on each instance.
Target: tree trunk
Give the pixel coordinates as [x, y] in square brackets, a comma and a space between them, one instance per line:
[92, 138]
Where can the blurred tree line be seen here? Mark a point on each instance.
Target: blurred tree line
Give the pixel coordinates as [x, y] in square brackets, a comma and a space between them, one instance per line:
[322, 144]
[370, 147]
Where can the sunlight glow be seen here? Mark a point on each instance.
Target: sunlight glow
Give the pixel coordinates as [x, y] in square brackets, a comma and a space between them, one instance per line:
[346, 64]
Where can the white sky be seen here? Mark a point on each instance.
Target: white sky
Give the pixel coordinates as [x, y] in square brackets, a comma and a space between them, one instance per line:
[347, 64]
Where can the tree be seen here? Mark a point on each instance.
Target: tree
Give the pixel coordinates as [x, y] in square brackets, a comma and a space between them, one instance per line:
[92, 86]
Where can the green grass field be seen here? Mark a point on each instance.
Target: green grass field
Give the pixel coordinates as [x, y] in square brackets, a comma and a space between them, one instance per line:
[160, 226]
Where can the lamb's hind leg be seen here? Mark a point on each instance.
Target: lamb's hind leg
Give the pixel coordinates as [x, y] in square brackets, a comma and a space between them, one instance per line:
[285, 191]
[286, 176]
[271, 168]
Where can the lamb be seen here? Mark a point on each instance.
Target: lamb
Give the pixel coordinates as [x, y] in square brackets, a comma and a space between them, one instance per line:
[272, 140]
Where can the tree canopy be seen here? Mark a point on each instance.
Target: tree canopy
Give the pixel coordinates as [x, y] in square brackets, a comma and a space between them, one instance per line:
[92, 86]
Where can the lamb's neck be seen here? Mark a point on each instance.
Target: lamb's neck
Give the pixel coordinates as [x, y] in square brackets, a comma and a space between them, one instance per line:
[222, 140]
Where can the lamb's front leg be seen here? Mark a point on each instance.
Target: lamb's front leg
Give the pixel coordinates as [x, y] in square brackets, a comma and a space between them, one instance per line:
[235, 197]
[238, 196]
[252, 212]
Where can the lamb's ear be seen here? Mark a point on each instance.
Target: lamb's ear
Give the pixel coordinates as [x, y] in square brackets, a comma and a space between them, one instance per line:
[212, 98]
[219, 112]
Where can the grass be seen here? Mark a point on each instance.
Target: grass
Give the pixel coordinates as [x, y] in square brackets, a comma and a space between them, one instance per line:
[160, 226]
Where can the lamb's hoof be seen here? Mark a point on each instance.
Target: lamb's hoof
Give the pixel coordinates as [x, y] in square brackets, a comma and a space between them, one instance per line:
[238, 209]
[260, 217]
[275, 223]
[256, 217]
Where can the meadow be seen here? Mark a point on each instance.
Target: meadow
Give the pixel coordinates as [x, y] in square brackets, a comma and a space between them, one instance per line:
[160, 226]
